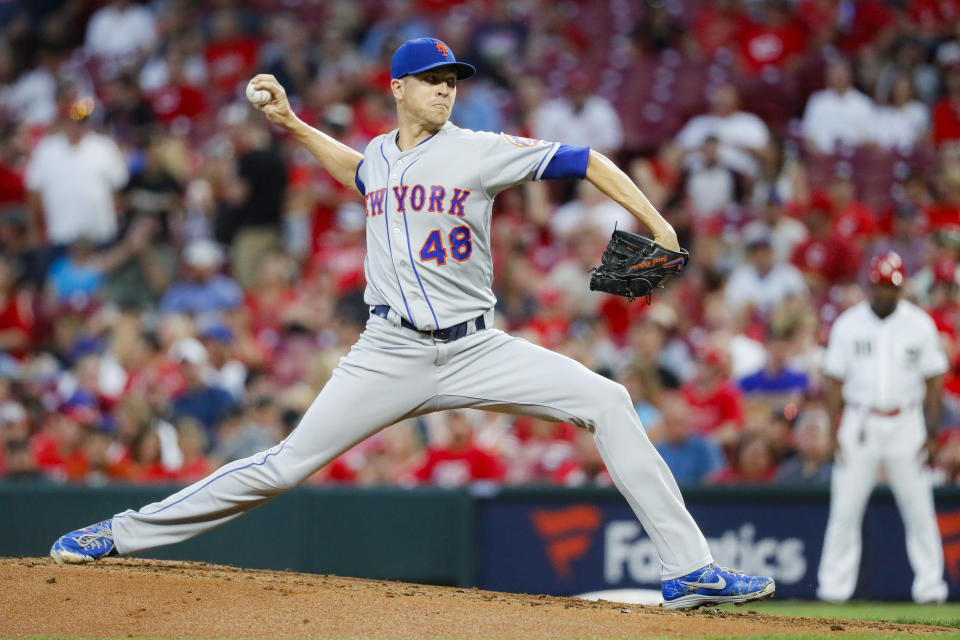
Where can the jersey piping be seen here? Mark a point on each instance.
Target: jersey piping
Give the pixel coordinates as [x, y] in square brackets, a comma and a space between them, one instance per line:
[386, 223]
[406, 230]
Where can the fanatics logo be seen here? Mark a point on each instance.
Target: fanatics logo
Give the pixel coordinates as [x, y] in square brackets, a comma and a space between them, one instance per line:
[567, 534]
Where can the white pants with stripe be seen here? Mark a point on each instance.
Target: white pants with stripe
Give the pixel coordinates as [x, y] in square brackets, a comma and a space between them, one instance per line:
[393, 373]
[869, 443]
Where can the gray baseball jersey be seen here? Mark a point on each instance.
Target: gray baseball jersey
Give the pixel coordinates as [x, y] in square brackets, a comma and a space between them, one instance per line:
[429, 212]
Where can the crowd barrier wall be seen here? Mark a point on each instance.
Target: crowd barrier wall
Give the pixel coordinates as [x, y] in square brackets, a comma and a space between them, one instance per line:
[534, 540]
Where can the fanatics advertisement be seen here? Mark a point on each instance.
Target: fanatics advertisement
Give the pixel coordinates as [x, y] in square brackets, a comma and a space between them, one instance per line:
[565, 548]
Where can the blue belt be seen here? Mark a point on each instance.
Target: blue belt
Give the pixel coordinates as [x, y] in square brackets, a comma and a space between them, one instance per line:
[448, 334]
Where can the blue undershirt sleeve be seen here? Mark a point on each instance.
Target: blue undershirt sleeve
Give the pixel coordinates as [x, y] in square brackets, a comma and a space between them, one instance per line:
[358, 181]
[567, 163]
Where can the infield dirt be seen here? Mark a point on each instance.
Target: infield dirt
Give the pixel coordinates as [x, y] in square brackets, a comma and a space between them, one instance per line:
[131, 598]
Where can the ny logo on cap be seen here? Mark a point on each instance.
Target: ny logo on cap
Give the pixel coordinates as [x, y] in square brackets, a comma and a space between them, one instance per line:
[442, 48]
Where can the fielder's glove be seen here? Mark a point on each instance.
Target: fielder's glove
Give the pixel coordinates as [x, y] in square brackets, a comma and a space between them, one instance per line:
[633, 266]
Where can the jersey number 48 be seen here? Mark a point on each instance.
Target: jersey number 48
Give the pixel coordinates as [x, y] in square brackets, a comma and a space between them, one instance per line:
[461, 246]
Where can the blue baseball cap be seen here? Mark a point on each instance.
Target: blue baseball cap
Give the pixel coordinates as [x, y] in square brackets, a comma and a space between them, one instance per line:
[422, 54]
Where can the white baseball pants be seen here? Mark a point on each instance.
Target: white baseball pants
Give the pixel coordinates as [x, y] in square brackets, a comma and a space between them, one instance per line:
[867, 443]
[393, 373]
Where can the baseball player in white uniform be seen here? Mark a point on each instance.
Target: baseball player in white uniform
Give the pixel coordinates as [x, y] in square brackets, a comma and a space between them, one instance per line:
[429, 343]
[884, 368]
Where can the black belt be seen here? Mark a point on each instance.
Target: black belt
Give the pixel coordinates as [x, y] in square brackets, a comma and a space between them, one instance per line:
[448, 334]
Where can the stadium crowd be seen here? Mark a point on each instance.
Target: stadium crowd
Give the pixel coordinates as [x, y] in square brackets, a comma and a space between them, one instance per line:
[178, 280]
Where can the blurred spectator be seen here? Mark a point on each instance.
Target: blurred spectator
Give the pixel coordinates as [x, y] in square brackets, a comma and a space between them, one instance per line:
[579, 118]
[590, 213]
[944, 215]
[717, 26]
[121, 30]
[238, 438]
[824, 257]
[73, 176]
[251, 217]
[543, 447]
[226, 371]
[17, 322]
[393, 455]
[812, 462]
[755, 463]
[147, 264]
[128, 115]
[458, 461]
[28, 261]
[906, 237]
[178, 99]
[100, 461]
[761, 284]
[692, 458]
[476, 107]
[946, 111]
[716, 404]
[147, 460]
[20, 465]
[909, 59]
[571, 274]
[782, 177]
[742, 136]
[904, 121]
[12, 153]
[78, 274]
[838, 114]
[784, 231]
[399, 23]
[777, 382]
[201, 288]
[180, 62]
[948, 455]
[710, 186]
[660, 29]
[852, 219]
[585, 467]
[774, 42]
[289, 55]
[200, 400]
[32, 99]
[230, 54]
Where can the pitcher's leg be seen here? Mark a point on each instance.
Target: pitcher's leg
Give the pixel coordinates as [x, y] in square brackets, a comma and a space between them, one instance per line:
[914, 496]
[495, 371]
[379, 382]
[852, 482]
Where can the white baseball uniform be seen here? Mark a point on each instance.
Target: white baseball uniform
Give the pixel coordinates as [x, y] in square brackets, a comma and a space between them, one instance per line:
[428, 266]
[883, 364]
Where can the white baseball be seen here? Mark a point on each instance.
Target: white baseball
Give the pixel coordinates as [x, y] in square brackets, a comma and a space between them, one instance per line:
[257, 96]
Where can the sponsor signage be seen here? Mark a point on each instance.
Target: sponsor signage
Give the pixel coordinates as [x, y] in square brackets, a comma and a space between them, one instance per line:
[570, 545]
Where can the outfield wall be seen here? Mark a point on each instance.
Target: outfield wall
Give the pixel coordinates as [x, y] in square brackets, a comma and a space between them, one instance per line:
[537, 540]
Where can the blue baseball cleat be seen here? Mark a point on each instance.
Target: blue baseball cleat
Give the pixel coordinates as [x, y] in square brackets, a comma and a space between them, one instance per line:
[714, 585]
[84, 545]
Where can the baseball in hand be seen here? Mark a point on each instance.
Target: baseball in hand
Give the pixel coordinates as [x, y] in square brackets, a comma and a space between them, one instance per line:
[257, 96]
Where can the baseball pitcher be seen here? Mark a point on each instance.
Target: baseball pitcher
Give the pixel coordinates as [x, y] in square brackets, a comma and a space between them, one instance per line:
[430, 345]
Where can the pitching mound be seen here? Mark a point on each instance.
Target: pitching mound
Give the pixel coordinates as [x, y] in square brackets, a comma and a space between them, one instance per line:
[128, 598]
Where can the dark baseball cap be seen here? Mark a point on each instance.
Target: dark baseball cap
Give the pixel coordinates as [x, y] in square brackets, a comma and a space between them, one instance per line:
[422, 54]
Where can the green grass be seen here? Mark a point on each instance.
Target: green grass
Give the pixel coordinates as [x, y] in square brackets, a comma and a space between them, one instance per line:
[946, 615]
[823, 636]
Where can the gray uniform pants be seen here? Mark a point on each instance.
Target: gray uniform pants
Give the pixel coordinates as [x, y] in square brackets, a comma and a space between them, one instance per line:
[393, 373]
